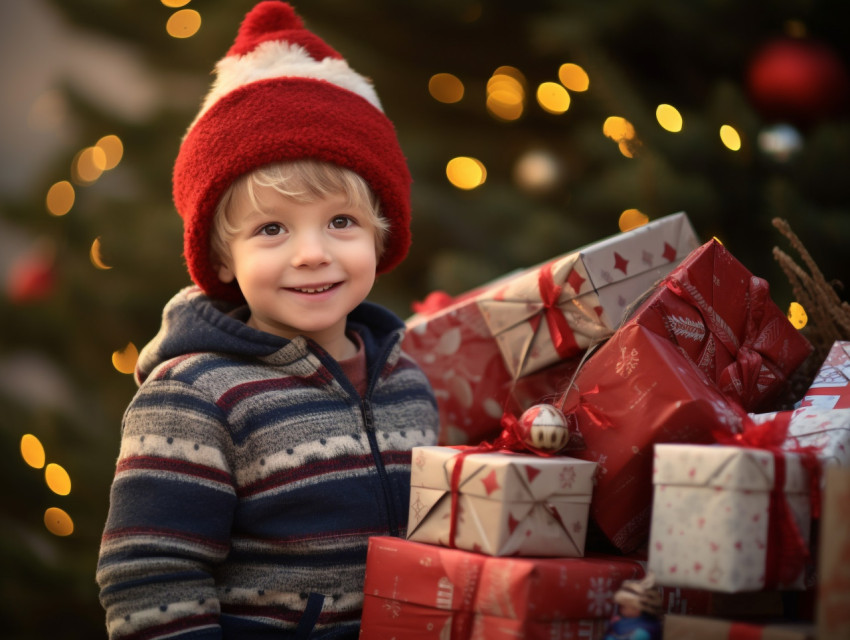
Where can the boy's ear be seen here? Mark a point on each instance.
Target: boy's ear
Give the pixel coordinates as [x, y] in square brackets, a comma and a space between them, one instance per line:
[225, 274]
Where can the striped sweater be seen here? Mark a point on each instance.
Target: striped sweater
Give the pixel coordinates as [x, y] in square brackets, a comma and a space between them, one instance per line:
[251, 475]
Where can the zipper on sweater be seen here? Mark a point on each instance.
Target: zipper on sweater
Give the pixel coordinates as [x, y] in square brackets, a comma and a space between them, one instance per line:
[369, 423]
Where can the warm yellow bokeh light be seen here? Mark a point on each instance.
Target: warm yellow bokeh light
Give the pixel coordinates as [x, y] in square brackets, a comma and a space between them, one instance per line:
[175, 4]
[446, 88]
[58, 522]
[57, 479]
[183, 24]
[124, 360]
[466, 173]
[506, 93]
[553, 98]
[669, 117]
[95, 256]
[88, 165]
[573, 77]
[618, 128]
[60, 198]
[113, 150]
[730, 137]
[631, 219]
[32, 451]
[797, 315]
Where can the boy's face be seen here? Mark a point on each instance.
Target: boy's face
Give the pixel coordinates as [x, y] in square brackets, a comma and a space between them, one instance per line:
[301, 267]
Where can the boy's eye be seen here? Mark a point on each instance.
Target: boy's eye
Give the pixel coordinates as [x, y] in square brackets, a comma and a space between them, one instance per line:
[341, 222]
[271, 229]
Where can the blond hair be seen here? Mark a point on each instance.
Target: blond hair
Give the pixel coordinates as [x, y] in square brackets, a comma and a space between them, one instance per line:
[302, 181]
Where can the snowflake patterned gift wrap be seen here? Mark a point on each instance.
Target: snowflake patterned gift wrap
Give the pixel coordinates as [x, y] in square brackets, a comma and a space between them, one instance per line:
[722, 317]
[637, 390]
[477, 348]
[831, 387]
[499, 503]
[723, 519]
[415, 590]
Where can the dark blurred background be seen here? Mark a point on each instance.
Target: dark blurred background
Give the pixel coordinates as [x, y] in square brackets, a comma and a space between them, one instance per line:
[97, 93]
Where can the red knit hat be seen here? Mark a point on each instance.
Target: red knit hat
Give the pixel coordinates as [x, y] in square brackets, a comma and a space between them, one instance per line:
[281, 93]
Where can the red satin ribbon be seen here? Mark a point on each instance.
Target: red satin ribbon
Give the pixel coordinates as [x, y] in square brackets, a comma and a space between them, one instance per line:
[584, 406]
[559, 329]
[744, 631]
[751, 364]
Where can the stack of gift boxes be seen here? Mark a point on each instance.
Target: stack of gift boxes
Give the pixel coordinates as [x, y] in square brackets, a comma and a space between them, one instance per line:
[667, 358]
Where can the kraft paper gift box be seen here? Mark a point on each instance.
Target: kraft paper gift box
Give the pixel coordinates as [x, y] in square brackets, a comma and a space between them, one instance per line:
[833, 590]
[722, 317]
[637, 390]
[831, 387]
[679, 627]
[416, 590]
[478, 348]
[726, 518]
[500, 503]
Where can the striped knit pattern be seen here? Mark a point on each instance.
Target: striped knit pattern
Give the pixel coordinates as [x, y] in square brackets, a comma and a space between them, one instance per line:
[247, 487]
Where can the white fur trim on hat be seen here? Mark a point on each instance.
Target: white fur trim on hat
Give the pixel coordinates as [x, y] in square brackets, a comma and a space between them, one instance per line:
[278, 59]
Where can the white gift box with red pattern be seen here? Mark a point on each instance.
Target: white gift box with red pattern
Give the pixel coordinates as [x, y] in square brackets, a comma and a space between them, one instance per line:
[825, 430]
[500, 503]
[831, 387]
[715, 515]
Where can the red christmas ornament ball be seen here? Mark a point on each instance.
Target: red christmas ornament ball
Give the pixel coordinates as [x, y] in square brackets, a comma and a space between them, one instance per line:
[797, 80]
[31, 278]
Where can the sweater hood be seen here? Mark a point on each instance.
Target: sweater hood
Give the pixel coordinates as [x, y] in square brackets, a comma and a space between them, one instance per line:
[192, 322]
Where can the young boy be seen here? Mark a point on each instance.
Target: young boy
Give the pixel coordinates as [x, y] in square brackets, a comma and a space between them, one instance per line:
[271, 433]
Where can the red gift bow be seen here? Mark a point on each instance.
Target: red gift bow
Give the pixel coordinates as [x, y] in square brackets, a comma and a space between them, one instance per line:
[559, 329]
[510, 440]
[584, 406]
[787, 552]
[751, 366]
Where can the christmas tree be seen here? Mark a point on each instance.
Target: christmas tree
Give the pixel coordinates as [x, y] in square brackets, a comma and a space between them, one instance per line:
[530, 128]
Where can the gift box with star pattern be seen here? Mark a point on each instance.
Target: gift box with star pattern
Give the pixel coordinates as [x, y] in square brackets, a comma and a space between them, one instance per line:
[499, 503]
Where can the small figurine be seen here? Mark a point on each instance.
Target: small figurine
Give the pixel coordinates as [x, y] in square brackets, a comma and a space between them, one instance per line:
[638, 614]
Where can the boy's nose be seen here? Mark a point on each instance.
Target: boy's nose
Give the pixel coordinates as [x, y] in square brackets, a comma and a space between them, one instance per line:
[310, 250]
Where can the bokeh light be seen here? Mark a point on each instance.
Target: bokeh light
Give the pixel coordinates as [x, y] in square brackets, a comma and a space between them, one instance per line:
[113, 150]
[466, 173]
[797, 315]
[631, 219]
[175, 4]
[124, 360]
[553, 98]
[730, 137]
[96, 257]
[88, 165]
[622, 132]
[573, 77]
[58, 522]
[446, 88]
[506, 93]
[32, 451]
[60, 198]
[57, 479]
[537, 170]
[780, 142]
[183, 24]
[669, 118]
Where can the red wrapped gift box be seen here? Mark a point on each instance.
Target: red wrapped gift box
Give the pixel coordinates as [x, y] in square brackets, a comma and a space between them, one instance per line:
[831, 387]
[417, 590]
[722, 317]
[509, 344]
[635, 391]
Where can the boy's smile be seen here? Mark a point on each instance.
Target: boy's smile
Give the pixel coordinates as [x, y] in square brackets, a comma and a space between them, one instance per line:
[302, 267]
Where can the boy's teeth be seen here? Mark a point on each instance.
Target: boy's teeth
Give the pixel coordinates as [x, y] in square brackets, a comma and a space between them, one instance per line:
[319, 290]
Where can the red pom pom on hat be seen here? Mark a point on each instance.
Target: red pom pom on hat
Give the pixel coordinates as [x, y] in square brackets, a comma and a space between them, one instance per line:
[282, 94]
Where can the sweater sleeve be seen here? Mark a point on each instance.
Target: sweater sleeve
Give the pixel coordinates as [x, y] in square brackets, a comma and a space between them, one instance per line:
[171, 508]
